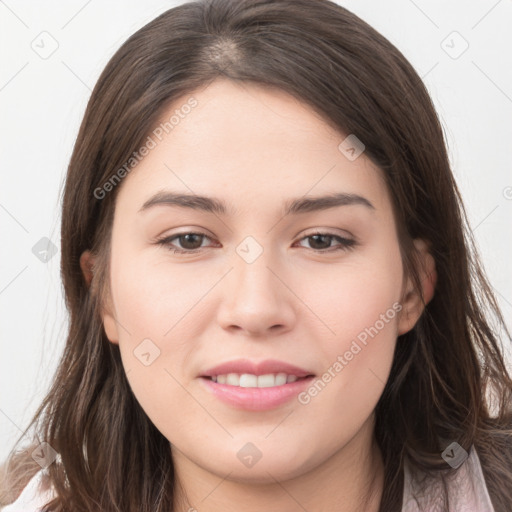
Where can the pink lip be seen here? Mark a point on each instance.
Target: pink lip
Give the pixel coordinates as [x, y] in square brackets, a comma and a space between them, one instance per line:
[256, 399]
[262, 368]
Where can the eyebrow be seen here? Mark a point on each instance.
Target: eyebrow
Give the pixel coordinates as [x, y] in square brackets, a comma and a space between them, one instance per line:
[292, 206]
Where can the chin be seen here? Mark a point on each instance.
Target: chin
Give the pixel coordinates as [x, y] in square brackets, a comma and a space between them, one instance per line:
[279, 464]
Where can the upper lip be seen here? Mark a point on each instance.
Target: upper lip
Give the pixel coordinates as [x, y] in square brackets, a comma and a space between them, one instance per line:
[241, 366]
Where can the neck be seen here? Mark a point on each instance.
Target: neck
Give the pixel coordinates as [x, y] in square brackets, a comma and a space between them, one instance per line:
[350, 480]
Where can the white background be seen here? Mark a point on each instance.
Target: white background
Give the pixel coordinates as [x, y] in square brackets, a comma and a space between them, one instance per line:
[42, 102]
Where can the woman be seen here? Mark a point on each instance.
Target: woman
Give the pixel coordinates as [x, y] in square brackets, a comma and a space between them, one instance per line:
[271, 283]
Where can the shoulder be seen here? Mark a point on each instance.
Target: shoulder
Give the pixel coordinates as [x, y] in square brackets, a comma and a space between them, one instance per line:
[495, 452]
[465, 489]
[34, 496]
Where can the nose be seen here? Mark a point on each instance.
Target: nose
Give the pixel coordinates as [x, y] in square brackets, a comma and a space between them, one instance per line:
[256, 299]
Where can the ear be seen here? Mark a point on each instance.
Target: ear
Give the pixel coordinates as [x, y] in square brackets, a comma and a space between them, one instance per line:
[87, 260]
[414, 301]
[86, 264]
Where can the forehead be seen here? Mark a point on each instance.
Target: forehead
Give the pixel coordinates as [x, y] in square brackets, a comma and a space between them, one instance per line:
[252, 146]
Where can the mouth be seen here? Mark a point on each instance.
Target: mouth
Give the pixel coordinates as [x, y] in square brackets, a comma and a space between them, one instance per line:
[255, 386]
[249, 380]
[255, 393]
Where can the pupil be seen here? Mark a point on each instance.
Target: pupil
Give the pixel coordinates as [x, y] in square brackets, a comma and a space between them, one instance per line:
[315, 239]
[187, 240]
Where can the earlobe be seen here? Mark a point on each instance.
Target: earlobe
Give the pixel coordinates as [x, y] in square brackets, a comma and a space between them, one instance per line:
[110, 326]
[86, 264]
[414, 301]
[429, 278]
[109, 319]
[87, 260]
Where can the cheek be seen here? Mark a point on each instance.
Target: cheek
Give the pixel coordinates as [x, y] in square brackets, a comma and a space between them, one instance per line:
[352, 298]
[356, 367]
[157, 310]
[154, 300]
[361, 307]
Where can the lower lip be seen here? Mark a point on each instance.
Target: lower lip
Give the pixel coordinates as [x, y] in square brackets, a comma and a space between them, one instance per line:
[256, 399]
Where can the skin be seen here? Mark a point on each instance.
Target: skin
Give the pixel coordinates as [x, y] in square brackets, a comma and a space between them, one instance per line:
[255, 147]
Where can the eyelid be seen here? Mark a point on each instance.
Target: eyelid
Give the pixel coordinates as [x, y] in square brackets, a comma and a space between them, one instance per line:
[327, 231]
[307, 232]
[344, 243]
[165, 239]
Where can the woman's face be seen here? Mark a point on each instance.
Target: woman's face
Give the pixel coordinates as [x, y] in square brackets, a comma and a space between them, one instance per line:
[259, 285]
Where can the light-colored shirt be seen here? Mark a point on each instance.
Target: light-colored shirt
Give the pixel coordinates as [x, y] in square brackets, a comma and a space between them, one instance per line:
[467, 492]
[33, 497]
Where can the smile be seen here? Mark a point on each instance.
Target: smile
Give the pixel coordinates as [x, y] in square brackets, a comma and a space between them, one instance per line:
[248, 380]
[256, 398]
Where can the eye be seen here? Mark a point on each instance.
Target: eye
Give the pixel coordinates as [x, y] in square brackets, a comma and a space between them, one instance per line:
[191, 242]
[322, 239]
[189, 239]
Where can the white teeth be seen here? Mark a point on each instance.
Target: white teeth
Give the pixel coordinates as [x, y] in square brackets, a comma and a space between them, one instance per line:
[233, 379]
[266, 381]
[248, 380]
[280, 379]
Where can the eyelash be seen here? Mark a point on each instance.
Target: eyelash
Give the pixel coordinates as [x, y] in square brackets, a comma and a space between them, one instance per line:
[346, 244]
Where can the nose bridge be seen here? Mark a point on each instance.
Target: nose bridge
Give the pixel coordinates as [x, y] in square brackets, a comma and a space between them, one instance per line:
[258, 299]
[254, 280]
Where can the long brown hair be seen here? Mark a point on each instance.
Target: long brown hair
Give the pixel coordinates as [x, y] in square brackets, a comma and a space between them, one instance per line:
[111, 456]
